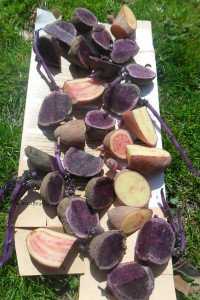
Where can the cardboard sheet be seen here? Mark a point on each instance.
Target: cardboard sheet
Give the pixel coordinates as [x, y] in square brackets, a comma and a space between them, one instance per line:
[31, 213]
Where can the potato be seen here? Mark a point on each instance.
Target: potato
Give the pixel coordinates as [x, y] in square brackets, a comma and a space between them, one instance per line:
[146, 160]
[49, 248]
[139, 122]
[116, 141]
[83, 90]
[132, 189]
[125, 23]
[71, 133]
[129, 219]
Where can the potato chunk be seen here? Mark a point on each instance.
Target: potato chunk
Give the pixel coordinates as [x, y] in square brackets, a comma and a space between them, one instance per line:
[139, 121]
[49, 248]
[146, 160]
[132, 189]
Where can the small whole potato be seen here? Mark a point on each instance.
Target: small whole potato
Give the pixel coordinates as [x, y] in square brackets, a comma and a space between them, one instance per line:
[71, 133]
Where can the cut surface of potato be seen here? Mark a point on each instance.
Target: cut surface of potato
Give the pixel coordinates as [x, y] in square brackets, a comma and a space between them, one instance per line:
[116, 142]
[146, 160]
[128, 219]
[132, 188]
[139, 121]
[83, 90]
[124, 24]
[134, 220]
[48, 247]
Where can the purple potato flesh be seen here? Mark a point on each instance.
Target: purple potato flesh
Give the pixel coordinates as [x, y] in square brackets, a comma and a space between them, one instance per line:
[131, 281]
[99, 119]
[83, 19]
[80, 218]
[123, 50]
[155, 242]
[80, 52]
[139, 74]
[106, 68]
[108, 249]
[50, 50]
[98, 124]
[52, 188]
[55, 108]
[82, 164]
[121, 98]
[101, 36]
[62, 30]
[99, 192]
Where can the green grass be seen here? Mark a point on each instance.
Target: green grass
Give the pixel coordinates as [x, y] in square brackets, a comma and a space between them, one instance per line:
[176, 27]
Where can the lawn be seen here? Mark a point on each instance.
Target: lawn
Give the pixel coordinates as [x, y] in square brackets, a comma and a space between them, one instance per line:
[176, 27]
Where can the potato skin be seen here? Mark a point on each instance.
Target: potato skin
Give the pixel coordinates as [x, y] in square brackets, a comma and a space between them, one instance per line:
[71, 133]
[93, 192]
[148, 165]
[106, 141]
[61, 210]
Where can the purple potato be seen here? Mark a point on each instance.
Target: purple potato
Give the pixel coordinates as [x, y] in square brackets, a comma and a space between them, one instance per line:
[131, 281]
[40, 160]
[99, 192]
[52, 188]
[77, 218]
[92, 45]
[80, 52]
[83, 19]
[50, 51]
[140, 75]
[123, 50]
[82, 164]
[98, 124]
[61, 30]
[108, 249]
[105, 68]
[55, 108]
[101, 37]
[121, 98]
[155, 242]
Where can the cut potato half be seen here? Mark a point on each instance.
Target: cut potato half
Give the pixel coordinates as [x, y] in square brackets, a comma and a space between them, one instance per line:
[83, 90]
[124, 24]
[132, 188]
[49, 248]
[134, 220]
[116, 141]
[146, 160]
[128, 219]
[139, 121]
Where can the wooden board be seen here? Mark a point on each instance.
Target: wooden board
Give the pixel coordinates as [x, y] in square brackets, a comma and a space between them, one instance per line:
[31, 213]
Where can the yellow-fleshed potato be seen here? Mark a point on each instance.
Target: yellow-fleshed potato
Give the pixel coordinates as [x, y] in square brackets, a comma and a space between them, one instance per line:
[129, 219]
[132, 189]
[146, 160]
[139, 122]
[124, 24]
